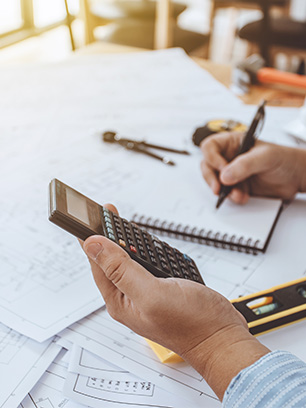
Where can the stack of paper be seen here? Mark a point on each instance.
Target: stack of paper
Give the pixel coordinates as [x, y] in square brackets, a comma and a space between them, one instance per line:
[51, 125]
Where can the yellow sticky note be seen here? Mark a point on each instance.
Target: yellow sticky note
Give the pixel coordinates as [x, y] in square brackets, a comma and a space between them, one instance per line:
[165, 355]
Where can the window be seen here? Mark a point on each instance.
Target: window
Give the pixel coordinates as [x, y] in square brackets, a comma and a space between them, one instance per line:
[10, 15]
[21, 19]
[48, 12]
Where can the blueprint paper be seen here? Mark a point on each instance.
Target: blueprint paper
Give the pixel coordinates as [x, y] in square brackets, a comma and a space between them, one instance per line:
[22, 362]
[88, 364]
[101, 335]
[102, 383]
[51, 127]
[47, 393]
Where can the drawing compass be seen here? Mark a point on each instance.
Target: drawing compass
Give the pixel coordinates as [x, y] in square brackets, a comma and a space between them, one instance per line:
[142, 147]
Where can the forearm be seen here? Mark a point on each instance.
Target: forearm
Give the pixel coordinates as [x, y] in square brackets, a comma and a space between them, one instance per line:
[220, 358]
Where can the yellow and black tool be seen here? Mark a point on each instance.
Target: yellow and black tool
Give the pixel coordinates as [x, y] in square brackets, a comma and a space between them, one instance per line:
[274, 308]
[217, 126]
[264, 311]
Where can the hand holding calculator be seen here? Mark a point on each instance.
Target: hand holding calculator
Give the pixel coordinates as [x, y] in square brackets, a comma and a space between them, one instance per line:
[83, 217]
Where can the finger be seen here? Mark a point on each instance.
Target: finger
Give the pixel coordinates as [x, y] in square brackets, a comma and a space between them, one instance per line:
[255, 161]
[128, 276]
[238, 196]
[210, 177]
[107, 288]
[111, 208]
[220, 148]
[212, 154]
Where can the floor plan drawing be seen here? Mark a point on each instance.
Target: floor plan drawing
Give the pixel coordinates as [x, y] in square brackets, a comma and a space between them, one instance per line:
[22, 362]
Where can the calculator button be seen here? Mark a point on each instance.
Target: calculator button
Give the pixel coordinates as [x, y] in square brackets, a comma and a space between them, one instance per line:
[171, 258]
[187, 258]
[162, 259]
[168, 250]
[153, 260]
[165, 266]
[112, 237]
[143, 254]
[122, 243]
[133, 249]
[196, 278]
[192, 269]
[157, 244]
[176, 273]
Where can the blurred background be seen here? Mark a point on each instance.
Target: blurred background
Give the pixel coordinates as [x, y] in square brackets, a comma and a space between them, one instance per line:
[225, 31]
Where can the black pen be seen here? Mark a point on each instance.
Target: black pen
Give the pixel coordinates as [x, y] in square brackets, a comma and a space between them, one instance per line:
[246, 144]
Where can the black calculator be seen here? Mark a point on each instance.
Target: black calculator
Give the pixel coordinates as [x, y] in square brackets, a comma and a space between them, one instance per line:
[83, 217]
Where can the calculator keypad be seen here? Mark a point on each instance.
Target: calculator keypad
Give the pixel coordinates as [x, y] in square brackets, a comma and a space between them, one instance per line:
[148, 250]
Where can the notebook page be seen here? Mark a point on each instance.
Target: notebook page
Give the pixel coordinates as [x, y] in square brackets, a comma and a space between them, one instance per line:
[188, 201]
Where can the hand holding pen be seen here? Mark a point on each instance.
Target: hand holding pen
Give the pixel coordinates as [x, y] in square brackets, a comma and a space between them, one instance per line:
[247, 143]
[266, 170]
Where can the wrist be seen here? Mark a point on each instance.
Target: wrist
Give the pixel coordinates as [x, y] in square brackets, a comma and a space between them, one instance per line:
[222, 356]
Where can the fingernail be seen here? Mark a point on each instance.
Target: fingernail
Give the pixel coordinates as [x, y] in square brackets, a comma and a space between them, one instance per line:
[93, 250]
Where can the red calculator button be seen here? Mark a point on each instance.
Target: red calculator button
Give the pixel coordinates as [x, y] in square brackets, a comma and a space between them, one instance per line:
[133, 249]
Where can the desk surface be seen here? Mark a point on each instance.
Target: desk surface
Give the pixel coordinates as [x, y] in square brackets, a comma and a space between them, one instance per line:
[221, 72]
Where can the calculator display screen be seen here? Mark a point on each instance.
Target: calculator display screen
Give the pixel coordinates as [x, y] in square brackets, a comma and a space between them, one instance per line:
[77, 206]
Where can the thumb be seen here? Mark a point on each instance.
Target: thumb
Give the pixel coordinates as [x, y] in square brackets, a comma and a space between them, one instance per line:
[243, 167]
[128, 276]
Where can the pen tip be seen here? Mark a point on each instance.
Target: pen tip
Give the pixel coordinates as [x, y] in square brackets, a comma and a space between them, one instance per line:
[220, 201]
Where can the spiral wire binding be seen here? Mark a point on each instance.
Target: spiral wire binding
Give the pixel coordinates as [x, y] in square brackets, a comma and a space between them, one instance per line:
[202, 236]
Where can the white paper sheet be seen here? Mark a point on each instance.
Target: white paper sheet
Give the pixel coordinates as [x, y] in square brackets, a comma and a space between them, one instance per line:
[52, 120]
[47, 393]
[93, 381]
[88, 364]
[22, 362]
[117, 344]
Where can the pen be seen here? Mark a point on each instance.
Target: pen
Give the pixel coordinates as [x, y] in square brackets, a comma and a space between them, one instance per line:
[246, 144]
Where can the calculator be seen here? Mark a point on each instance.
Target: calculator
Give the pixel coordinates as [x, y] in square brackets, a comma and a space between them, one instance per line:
[83, 217]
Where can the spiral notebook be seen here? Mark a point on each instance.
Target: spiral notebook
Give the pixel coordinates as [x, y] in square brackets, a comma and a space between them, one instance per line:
[246, 228]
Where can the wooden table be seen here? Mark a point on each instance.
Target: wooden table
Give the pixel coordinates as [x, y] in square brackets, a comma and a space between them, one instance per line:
[222, 73]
